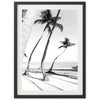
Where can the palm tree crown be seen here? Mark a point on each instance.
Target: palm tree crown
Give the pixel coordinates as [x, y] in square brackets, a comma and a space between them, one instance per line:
[66, 43]
[46, 18]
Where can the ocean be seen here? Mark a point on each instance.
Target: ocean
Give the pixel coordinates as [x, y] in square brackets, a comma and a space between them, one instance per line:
[60, 68]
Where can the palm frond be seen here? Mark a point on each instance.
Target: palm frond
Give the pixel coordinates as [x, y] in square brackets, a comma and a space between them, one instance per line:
[71, 44]
[44, 21]
[59, 26]
[49, 15]
[46, 26]
[62, 42]
[43, 13]
[49, 29]
[53, 18]
[38, 21]
[60, 47]
[46, 14]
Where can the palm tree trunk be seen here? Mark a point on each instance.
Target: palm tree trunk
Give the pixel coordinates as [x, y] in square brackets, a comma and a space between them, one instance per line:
[50, 70]
[27, 69]
[45, 51]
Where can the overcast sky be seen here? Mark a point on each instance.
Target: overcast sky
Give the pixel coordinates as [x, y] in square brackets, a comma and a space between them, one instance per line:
[69, 21]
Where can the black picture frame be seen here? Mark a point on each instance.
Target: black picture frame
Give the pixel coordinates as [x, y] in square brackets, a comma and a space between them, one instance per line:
[16, 46]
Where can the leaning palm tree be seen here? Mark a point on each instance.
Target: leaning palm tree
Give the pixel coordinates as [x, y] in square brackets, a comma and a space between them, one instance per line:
[46, 18]
[53, 22]
[66, 43]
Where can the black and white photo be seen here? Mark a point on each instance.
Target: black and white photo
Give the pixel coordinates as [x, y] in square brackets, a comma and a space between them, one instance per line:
[49, 49]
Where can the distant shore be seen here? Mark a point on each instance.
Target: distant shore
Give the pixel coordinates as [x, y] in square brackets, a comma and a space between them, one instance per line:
[66, 69]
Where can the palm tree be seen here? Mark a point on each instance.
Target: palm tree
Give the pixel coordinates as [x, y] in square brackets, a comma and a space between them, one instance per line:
[66, 43]
[53, 22]
[46, 17]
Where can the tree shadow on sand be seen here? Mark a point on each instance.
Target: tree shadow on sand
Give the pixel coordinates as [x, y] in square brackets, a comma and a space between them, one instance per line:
[33, 77]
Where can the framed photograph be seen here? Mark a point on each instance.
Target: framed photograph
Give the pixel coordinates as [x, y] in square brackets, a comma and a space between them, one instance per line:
[49, 50]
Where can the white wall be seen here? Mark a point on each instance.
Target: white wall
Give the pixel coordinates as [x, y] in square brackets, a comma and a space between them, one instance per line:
[7, 57]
